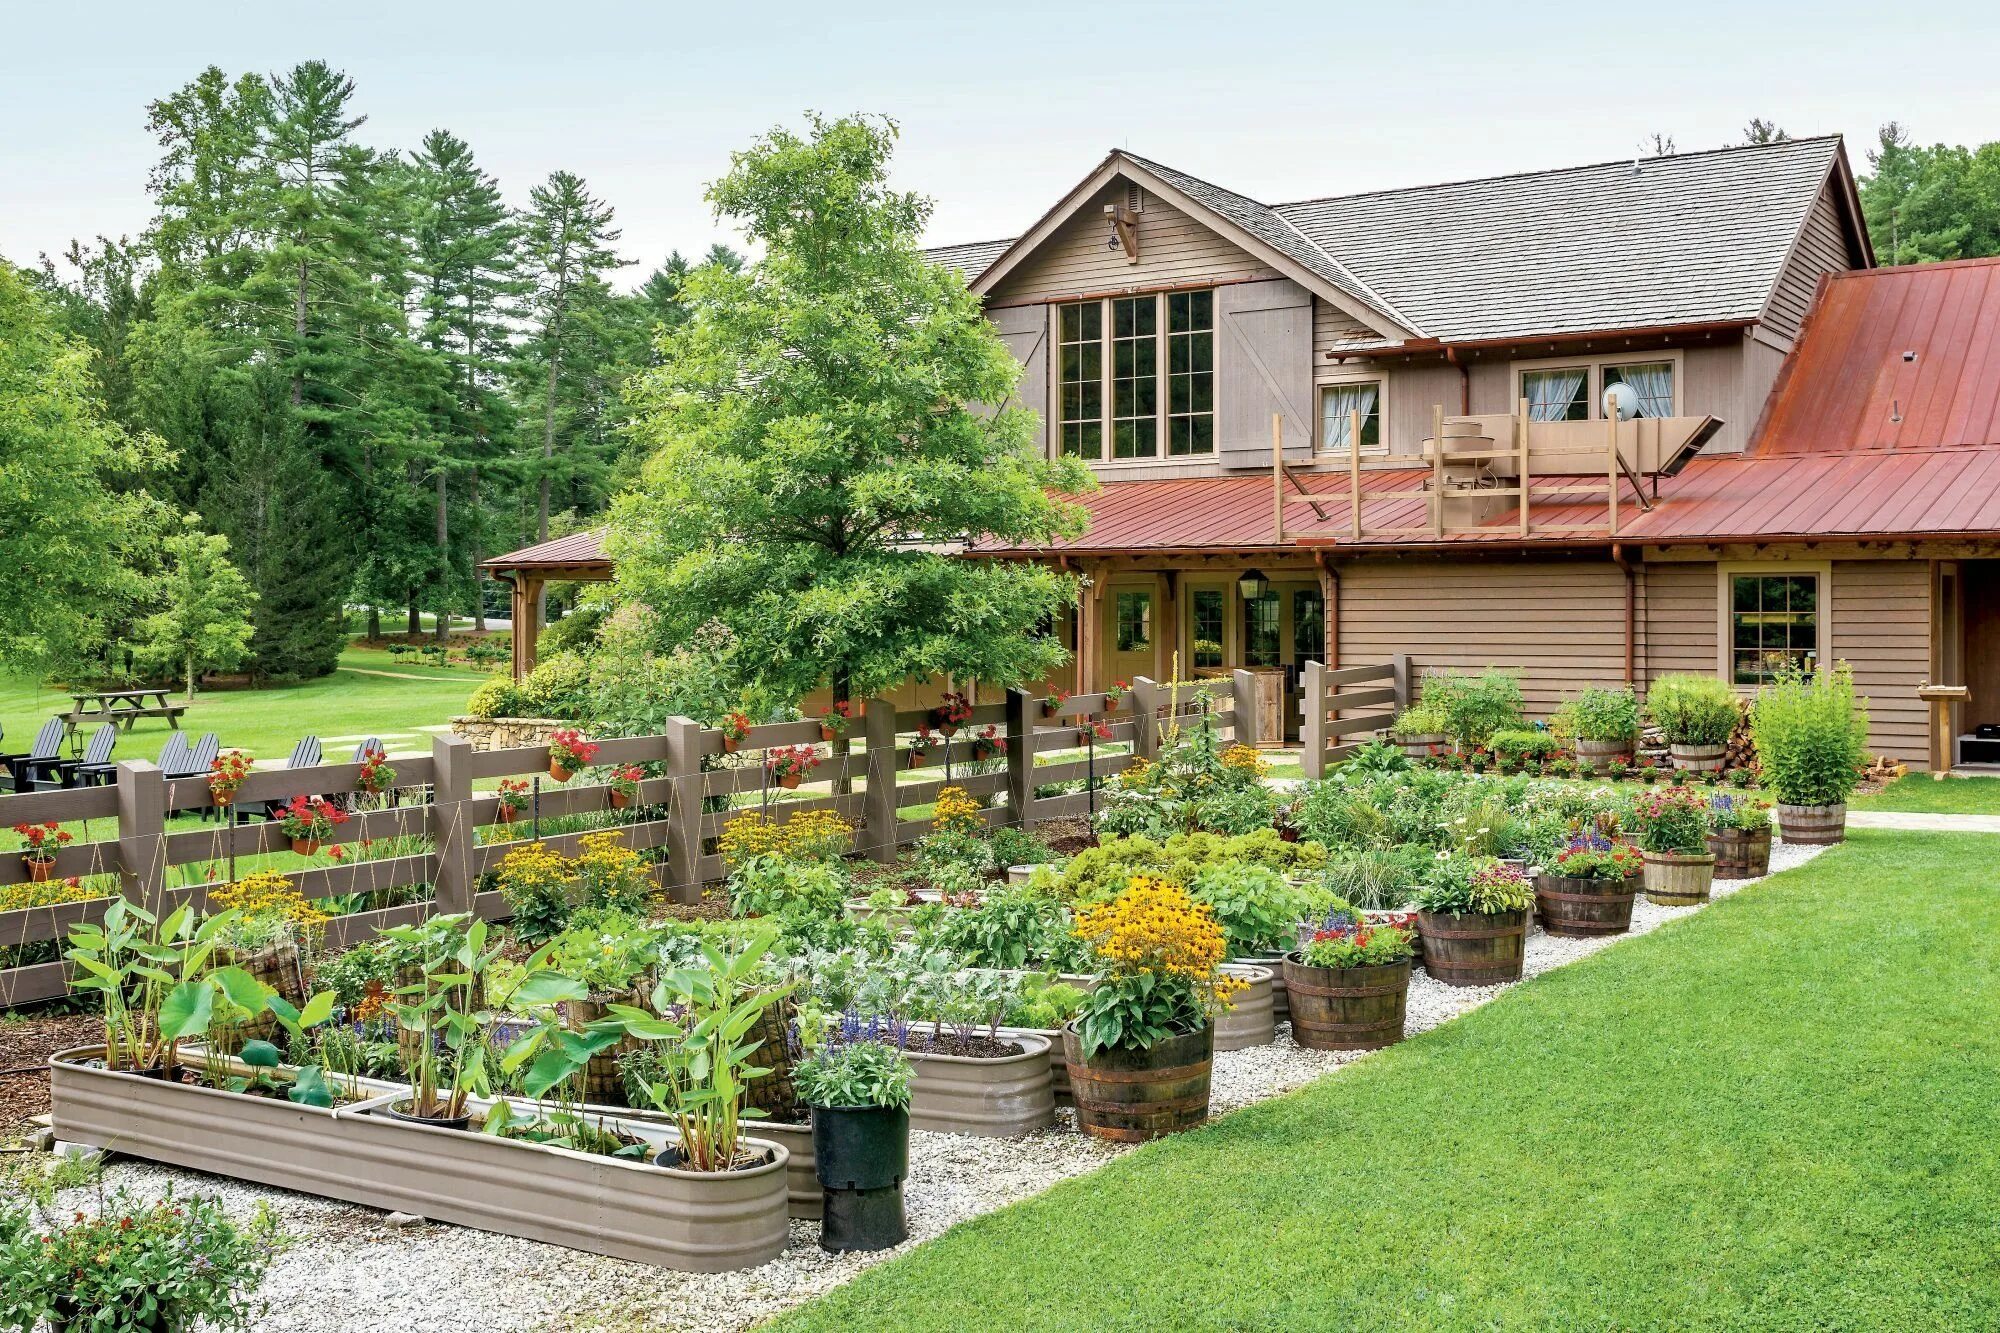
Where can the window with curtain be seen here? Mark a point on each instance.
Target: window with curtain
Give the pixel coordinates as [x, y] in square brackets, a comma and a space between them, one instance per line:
[1653, 381]
[1206, 611]
[1773, 619]
[1135, 621]
[1191, 373]
[1337, 405]
[1557, 395]
[1080, 378]
[1135, 381]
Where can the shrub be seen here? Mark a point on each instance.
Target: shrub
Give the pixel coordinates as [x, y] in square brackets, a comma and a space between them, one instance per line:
[1811, 735]
[1598, 714]
[1523, 744]
[499, 697]
[1429, 716]
[1256, 906]
[558, 687]
[1043, 1003]
[1694, 710]
[1011, 927]
[1481, 705]
[1375, 758]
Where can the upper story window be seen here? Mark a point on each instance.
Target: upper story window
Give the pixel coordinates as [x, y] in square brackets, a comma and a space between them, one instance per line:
[1337, 405]
[1136, 376]
[1576, 392]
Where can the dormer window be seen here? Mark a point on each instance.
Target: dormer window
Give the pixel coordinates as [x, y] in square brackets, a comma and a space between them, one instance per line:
[1135, 376]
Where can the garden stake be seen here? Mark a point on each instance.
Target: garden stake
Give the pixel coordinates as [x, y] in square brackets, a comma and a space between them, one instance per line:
[535, 808]
[1090, 779]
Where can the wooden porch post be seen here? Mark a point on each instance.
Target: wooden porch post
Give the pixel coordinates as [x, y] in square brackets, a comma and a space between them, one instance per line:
[527, 615]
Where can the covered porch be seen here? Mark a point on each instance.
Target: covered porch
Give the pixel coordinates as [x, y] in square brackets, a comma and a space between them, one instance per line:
[577, 558]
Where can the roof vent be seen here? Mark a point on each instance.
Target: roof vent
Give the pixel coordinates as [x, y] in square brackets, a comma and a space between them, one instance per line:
[1909, 356]
[1135, 199]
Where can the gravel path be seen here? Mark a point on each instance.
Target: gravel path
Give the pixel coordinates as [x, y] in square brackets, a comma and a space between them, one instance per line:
[427, 1275]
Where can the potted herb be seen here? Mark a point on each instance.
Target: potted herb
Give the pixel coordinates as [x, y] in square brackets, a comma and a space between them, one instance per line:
[135, 1266]
[1698, 715]
[1589, 888]
[376, 776]
[1739, 836]
[787, 765]
[569, 753]
[513, 799]
[1348, 982]
[624, 785]
[1141, 1046]
[40, 843]
[1811, 735]
[1603, 725]
[1421, 729]
[735, 729]
[226, 773]
[952, 712]
[1473, 918]
[1673, 824]
[309, 821]
[857, 1082]
[921, 745]
[837, 718]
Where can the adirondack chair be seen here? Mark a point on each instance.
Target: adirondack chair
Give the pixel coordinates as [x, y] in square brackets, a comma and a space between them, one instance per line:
[306, 754]
[174, 754]
[64, 773]
[23, 769]
[193, 759]
[351, 800]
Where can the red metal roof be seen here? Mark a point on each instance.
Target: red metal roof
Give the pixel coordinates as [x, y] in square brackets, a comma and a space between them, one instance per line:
[578, 550]
[1894, 358]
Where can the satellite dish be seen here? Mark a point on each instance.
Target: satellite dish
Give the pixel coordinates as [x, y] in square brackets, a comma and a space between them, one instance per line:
[1622, 401]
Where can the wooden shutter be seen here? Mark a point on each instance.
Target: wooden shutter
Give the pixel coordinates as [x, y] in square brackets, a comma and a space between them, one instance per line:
[1025, 330]
[1263, 366]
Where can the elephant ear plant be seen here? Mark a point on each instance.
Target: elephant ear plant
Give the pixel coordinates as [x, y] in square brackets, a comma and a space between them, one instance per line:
[152, 974]
[703, 1016]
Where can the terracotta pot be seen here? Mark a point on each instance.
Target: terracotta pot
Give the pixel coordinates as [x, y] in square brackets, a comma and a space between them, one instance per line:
[221, 798]
[827, 733]
[1675, 880]
[1577, 907]
[38, 871]
[559, 773]
[305, 846]
[506, 814]
[1813, 825]
[619, 800]
[1129, 1096]
[791, 780]
[918, 759]
[730, 744]
[1347, 1008]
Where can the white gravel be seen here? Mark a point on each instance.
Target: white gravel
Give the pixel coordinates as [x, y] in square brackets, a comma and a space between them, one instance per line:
[346, 1260]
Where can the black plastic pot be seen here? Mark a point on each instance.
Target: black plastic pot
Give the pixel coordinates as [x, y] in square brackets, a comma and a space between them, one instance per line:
[861, 1155]
[396, 1112]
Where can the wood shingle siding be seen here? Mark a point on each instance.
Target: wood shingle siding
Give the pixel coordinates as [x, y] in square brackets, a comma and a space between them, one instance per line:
[1561, 622]
[1174, 250]
[1882, 627]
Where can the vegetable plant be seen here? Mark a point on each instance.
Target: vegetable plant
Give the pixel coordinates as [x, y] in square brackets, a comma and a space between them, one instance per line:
[1599, 714]
[1694, 710]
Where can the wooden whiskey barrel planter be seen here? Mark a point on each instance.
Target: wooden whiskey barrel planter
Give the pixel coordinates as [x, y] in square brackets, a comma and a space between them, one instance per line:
[1596, 754]
[1348, 1008]
[1130, 1096]
[1582, 907]
[278, 968]
[1473, 949]
[1813, 825]
[1698, 758]
[1416, 748]
[1674, 880]
[1740, 853]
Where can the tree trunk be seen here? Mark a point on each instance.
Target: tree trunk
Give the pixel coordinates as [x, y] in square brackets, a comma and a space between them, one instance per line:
[299, 332]
[444, 561]
[415, 625]
[843, 690]
[374, 621]
[548, 460]
[472, 541]
[190, 677]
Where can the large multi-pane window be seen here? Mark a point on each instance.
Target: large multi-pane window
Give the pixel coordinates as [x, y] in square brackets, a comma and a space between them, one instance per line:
[1773, 620]
[1207, 612]
[1136, 376]
[1080, 383]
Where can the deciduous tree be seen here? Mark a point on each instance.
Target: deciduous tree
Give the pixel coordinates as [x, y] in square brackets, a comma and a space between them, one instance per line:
[202, 620]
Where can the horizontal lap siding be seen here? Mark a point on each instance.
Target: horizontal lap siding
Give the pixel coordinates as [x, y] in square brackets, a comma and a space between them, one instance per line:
[1882, 628]
[1562, 624]
[1822, 248]
[1680, 620]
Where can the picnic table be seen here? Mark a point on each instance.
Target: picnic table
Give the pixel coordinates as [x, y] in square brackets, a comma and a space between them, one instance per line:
[122, 708]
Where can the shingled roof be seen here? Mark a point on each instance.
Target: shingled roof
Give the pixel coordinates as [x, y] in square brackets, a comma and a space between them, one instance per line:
[1695, 238]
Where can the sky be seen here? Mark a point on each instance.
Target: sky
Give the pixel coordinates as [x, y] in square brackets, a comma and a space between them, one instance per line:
[1002, 107]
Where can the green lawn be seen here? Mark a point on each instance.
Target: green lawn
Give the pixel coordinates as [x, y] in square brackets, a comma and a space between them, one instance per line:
[1783, 1113]
[371, 695]
[1920, 793]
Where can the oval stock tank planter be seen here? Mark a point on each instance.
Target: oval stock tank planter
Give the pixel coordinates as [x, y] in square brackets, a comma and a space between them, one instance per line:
[1583, 907]
[1129, 1096]
[1252, 1016]
[1698, 758]
[1275, 965]
[1741, 853]
[1674, 880]
[988, 1096]
[1813, 825]
[1348, 1008]
[1474, 948]
[696, 1221]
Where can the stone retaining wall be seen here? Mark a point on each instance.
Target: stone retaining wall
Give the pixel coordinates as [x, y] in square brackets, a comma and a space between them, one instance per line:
[506, 733]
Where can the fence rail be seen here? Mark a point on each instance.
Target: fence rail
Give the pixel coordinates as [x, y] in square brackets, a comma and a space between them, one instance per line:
[1332, 709]
[696, 785]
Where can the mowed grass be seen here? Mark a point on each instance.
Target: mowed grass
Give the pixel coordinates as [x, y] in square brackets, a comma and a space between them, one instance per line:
[1920, 793]
[371, 695]
[1783, 1113]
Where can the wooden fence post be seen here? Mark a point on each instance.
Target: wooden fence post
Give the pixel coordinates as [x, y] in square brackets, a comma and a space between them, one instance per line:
[1145, 717]
[1245, 695]
[683, 808]
[142, 834]
[451, 824]
[1020, 732]
[1401, 661]
[878, 807]
[1312, 719]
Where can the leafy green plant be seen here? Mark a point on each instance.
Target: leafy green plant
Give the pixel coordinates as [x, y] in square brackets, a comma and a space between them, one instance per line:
[1158, 952]
[1811, 735]
[447, 1064]
[1044, 1003]
[1014, 926]
[1459, 885]
[1257, 908]
[498, 697]
[1357, 946]
[1523, 744]
[1742, 814]
[1429, 716]
[1374, 758]
[854, 1073]
[1599, 714]
[1694, 710]
[151, 973]
[1477, 706]
[1376, 878]
[775, 886]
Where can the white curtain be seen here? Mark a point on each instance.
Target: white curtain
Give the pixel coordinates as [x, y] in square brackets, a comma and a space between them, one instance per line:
[1337, 404]
[1654, 385]
[1550, 392]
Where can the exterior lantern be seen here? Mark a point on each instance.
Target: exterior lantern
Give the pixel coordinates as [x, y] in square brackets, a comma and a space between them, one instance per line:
[1252, 585]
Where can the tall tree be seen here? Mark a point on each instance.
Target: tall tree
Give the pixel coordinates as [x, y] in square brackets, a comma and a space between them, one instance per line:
[818, 445]
[1928, 204]
[202, 620]
[73, 523]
